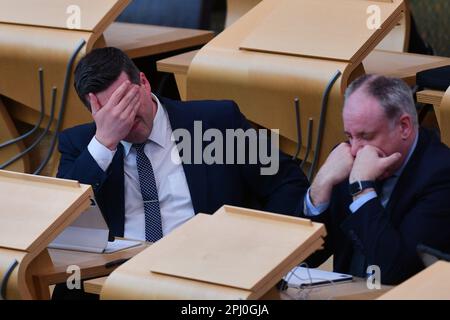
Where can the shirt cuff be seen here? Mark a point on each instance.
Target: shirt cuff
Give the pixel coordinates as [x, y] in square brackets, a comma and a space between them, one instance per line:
[101, 154]
[358, 203]
[310, 210]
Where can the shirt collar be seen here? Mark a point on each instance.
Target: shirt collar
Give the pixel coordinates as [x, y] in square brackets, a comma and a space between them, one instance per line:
[411, 150]
[160, 124]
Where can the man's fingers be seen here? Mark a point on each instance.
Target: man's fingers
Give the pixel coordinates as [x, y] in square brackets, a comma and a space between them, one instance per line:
[117, 95]
[129, 96]
[131, 107]
[391, 160]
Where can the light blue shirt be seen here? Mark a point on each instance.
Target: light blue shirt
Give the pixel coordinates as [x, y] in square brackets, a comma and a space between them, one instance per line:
[388, 186]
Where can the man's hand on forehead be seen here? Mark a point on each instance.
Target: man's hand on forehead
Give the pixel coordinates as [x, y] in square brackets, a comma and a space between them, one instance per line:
[115, 119]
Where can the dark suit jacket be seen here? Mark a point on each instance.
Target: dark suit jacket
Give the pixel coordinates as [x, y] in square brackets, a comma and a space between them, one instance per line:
[418, 212]
[210, 186]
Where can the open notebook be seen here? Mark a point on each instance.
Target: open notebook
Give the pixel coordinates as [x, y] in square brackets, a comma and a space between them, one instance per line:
[90, 233]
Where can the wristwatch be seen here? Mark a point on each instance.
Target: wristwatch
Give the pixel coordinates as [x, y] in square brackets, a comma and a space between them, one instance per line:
[357, 187]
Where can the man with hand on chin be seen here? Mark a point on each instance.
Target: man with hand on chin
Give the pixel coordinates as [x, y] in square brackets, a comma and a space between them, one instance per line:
[385, 190]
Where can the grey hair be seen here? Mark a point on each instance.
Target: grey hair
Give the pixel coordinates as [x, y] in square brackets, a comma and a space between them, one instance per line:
[393, 94]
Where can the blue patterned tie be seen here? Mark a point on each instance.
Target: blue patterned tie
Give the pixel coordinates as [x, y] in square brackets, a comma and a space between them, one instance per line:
[153, 225]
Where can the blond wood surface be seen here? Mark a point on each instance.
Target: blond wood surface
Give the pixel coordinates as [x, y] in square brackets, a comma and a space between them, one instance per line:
[433, 97]
[400, 64]
[389, 63]
[237, 8]
[35, 210]
[51, 267]
[354, 290]
[140, 40]
[133, 281]
[441, 104]
[178, 64]
[265, 84]
[32, 204]
[94, 286]
[15, 284]
[287, 29]
[49, 13]
[8, 131]
[33, 35]
[433, 283]
[91, 264]
[23, 53]
[248, 271]
[443, 115]
[232, 264]
[398, 38]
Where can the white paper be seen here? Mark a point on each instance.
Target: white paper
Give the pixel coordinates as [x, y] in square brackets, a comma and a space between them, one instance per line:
[299, 277]
[89, 232]
[120, 244]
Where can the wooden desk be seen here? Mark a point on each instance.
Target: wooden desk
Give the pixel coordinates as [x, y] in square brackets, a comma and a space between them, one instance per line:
[389, 63]
[137, 40]
[395, 64]
[91, 265]
[401, 64]
[432, 283]
[179, 66]
[355, 290]
[140, 40]
[441, 104]
[433, 97]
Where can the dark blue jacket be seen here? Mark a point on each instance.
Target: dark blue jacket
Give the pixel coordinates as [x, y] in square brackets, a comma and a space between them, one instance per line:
[418, 212]
[210, 186]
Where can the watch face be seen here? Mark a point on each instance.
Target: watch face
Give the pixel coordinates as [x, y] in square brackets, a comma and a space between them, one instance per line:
[355, 188]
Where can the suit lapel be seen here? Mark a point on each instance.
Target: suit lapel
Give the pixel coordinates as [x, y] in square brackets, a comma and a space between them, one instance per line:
[405, 188]
[182, 117]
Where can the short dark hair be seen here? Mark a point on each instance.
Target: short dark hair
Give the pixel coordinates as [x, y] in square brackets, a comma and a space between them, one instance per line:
[99, 69]
[393, 94]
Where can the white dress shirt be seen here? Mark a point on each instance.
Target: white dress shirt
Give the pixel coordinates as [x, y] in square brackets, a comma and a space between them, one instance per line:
[174, 197]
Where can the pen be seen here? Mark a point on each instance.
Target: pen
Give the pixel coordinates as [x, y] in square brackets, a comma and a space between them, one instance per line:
[116, 263]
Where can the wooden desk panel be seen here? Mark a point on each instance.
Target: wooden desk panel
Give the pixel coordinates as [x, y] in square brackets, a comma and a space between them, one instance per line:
[179, 66]
[355, 290]
[389, 63]
[400, 64]
[433, 97]
[140, 40]
[431, 283]
[90, 264]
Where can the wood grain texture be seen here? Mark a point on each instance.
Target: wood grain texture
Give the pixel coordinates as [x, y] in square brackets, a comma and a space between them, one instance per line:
[34, 211]
[429, 284]
[246, 253]
[265, 84]
[140, 40]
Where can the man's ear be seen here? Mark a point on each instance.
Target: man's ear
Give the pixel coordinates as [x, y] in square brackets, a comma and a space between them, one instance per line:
[93, 101]
[144, 81]
[406, 126]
